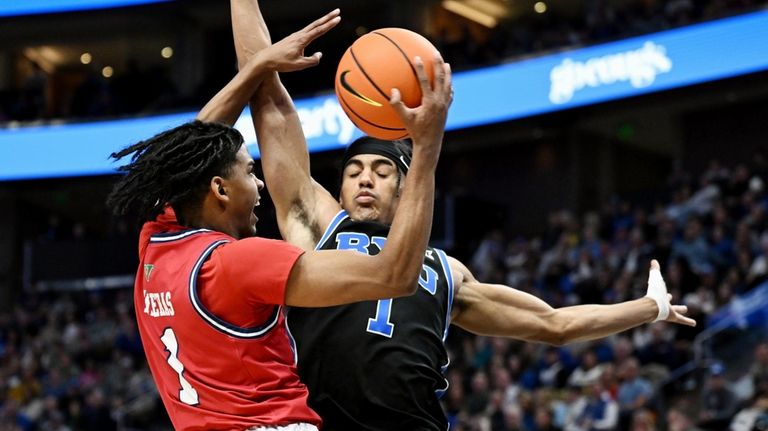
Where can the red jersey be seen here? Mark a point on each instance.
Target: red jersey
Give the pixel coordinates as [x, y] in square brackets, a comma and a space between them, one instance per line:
[209, 310]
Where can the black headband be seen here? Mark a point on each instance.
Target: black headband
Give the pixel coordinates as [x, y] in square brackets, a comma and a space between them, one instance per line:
[367, 145]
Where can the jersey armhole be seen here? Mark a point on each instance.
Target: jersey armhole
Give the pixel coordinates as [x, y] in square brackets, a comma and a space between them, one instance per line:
[449, 278]
[340, 217]
[216, 322]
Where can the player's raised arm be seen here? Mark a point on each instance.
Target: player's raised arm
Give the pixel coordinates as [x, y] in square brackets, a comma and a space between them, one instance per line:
[303, 207]
[249, 30]
[228, 103]
[394, 271]
[497, 310]
[284, 56]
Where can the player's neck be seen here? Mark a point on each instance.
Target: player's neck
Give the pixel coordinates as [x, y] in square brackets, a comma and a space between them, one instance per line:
[213, 220]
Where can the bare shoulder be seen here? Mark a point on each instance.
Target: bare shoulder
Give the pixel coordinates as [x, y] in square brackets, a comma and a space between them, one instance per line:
[459, 270]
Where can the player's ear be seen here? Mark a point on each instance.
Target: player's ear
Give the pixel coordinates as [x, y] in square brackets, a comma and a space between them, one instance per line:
[400, 183]
[218, 188]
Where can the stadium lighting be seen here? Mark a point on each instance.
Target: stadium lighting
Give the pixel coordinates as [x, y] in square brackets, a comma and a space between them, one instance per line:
[540, 7]
[107, 71]
[470, 13]
[86, 58]
[166, 52]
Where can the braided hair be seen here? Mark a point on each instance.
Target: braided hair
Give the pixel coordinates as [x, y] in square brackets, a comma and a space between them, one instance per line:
[174, 167]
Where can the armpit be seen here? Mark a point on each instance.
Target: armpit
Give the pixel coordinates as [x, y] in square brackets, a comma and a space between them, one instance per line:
[460, 302]
[301, 214]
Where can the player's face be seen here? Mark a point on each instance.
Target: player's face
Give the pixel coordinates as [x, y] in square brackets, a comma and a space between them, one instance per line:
[243, 191]
[369, 188]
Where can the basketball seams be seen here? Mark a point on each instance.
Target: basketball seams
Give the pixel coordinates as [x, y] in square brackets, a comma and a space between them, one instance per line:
[360, 66]
[352, 111]
[354, 92]
[413, 69]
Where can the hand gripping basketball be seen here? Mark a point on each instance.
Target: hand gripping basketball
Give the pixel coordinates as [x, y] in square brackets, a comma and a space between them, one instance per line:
[428, 119]
[368, 71]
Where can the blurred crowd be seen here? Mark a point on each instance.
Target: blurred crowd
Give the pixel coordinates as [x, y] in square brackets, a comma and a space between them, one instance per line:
[711, 238]
[72, 361]
[611, 385]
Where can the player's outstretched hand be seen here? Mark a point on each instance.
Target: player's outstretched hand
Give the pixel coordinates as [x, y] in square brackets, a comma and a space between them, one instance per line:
[287, 55]
[657, 290]
[426, 122]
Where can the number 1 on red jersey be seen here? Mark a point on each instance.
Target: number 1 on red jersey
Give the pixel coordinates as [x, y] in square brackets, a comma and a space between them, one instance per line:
[187, 394]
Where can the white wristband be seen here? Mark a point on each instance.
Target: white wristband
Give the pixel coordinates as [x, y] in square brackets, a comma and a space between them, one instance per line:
[657, 291]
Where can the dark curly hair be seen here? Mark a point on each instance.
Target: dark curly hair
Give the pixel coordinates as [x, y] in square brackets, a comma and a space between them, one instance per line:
[173, 167]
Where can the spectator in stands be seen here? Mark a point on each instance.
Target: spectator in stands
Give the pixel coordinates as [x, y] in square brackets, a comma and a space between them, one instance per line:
[718, 403]
[658, 348]
[593, 411]
[610, 380]
[678, 420]
[544, 420]
[71, 366]
[552, 372]
[489, 255]
[758, 271]
[479, 397]
[703, 298]
[587, 372]
[15, 419]
[634, 391]
[507, 390]
[642, 420]
[693, 248]
[753, 417]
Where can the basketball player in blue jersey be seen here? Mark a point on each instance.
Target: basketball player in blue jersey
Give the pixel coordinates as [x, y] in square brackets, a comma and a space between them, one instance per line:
[378, 365]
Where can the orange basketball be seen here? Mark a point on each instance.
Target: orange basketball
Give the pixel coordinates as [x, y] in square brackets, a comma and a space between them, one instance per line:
[375, 64]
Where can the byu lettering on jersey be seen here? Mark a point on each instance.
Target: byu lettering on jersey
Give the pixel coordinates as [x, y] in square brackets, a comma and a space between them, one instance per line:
[377, 365]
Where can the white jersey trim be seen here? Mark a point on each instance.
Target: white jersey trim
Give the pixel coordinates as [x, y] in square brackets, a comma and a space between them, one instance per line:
[291, 338]
[449, 279]
[181, 235]
[292, 427]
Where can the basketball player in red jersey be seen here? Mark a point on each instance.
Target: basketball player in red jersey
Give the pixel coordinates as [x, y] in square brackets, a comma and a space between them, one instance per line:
[377, 365]
[209, 295]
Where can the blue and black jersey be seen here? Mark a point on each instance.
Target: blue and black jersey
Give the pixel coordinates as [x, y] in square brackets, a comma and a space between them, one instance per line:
[377, 365]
